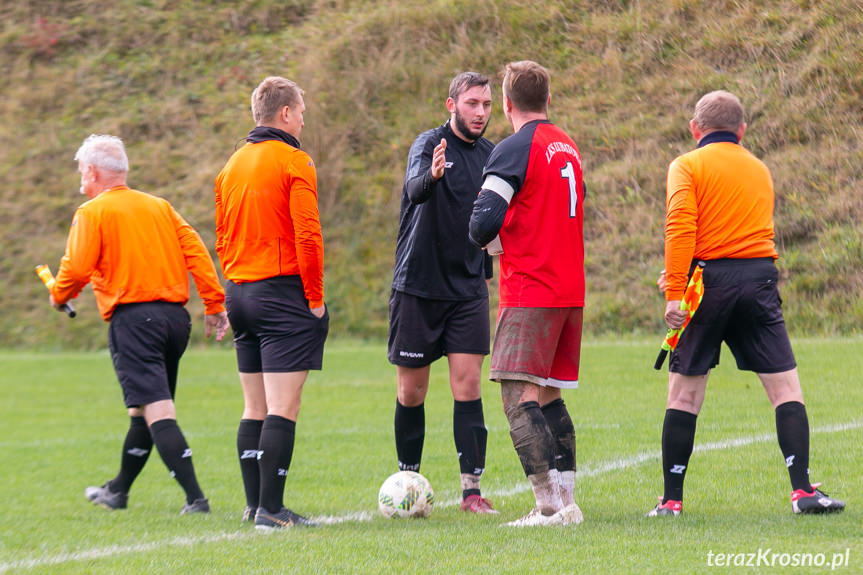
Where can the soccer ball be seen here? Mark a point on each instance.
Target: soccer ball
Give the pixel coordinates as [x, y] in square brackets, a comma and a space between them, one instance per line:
[406, 494]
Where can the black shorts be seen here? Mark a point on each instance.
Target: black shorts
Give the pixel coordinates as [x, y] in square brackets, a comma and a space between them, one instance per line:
[274, 330]
[147, 341]
[741, 306]
[422, 330]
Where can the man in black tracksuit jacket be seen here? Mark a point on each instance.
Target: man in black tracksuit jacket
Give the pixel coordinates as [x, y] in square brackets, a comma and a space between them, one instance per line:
[439, 299]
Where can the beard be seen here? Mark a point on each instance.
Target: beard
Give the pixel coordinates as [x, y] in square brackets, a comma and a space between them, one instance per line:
[465, 128]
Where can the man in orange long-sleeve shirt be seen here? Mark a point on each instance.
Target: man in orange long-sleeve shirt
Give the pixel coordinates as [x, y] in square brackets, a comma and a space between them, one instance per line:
[137, 252]
[719, 211]
[268, 238]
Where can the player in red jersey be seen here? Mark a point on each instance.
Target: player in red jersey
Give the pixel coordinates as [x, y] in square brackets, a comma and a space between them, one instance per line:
[530, 212]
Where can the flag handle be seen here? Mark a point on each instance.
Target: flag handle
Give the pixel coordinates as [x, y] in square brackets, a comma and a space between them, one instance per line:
[660, 359]
[48, 279]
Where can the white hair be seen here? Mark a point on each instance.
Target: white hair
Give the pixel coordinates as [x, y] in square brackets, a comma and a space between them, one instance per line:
[102, 151]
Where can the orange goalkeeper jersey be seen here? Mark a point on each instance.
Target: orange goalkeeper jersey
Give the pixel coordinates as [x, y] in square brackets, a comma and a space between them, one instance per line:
[267, 221]
[719, 204]
[134, 247]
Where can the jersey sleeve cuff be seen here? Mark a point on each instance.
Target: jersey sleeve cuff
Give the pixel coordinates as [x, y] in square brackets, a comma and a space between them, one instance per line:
[213, 309]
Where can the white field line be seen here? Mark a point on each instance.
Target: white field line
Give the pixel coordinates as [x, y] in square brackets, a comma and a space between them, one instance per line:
[363, 516]
[586, 471]
[113, 550]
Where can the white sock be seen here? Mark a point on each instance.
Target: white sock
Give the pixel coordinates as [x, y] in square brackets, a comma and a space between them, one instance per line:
[566, 481]
[546, 491]
[469, 481]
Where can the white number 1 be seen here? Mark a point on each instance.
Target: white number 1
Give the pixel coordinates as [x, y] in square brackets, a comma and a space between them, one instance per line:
[568, 173]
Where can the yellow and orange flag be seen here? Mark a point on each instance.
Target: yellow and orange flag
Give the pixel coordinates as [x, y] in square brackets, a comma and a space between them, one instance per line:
[47, 278]
[690, 302]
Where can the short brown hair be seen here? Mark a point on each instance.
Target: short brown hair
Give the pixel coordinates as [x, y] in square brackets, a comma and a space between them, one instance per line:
[271, 95]
[526, 84]
[718, 110]
[464, 82]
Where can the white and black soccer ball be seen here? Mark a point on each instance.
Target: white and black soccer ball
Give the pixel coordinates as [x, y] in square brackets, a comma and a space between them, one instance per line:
[406, 494]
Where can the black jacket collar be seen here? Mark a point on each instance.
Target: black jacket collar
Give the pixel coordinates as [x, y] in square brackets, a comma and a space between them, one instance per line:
[720, 136]
[264, 133]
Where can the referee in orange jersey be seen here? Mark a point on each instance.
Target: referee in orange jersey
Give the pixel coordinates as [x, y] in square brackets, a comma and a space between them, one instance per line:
[268, 237]
[138, 252]
[719, 202]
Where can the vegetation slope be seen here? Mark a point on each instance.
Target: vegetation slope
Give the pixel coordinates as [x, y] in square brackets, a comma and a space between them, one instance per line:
[173, 79]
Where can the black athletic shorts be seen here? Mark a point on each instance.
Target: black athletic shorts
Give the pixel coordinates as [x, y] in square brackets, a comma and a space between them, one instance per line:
[741, 306]
[422, 330]
[147, 341]
[274, 330]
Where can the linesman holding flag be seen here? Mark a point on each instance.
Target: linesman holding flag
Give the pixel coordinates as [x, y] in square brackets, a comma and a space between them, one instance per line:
[137, 251]
[719, 212]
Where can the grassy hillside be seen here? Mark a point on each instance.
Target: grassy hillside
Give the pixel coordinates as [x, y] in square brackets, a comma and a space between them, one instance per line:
[173, 79]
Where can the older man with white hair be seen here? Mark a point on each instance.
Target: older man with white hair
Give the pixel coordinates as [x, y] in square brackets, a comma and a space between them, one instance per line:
[137, 252]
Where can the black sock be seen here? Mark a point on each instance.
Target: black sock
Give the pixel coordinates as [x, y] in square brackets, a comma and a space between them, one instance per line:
[471, 437]
[274, 460]
[248, 442]
[678, 438]
[136, 451]
[177, 456]
[531, 438]
[560, 424]
[410, 428]
[792, 429]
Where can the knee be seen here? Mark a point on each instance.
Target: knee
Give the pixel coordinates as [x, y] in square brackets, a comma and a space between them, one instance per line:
[686, 393]
[255, 412]
[788, 395]
[158, 410]
[285, 409]
[466, 388]
[782, 387]
[411, 394]
[687, 404]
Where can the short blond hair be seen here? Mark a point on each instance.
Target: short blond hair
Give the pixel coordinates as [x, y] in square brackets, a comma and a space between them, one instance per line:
[271, 95]
[718, 110]
[526, 84]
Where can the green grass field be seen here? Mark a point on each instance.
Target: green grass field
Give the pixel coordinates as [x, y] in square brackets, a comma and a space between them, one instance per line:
[62, 423]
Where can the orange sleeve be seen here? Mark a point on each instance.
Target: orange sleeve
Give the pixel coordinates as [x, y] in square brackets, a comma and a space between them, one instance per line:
[200, 265]
[80, 260]
[307, 228]
[220, 214]
[681, 216]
